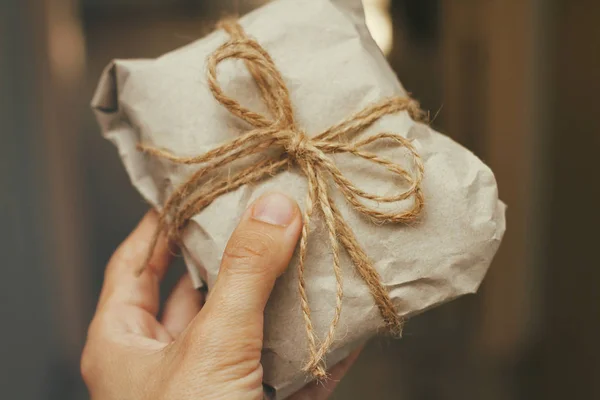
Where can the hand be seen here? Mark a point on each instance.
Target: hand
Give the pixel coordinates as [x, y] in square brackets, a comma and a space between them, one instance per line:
[196, 351]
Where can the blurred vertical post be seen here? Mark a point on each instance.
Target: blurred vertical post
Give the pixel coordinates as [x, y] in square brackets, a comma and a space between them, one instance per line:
[26, 337]
[493, 83]
[379, 22]
[40, 72]
[570, 351]
[63, 112]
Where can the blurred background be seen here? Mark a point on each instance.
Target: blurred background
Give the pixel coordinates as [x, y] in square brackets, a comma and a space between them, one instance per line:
[515, 81]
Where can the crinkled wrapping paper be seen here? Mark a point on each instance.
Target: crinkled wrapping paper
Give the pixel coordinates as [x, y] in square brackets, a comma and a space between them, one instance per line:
[332, 68]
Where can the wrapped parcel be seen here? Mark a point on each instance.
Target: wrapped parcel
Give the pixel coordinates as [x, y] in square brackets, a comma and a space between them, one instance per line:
[332, 72]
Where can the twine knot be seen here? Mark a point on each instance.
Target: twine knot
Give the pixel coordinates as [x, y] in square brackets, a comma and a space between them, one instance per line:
[296, 144]
[311, 156]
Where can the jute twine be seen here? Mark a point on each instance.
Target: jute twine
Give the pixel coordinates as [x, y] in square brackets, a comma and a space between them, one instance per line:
[310, 155]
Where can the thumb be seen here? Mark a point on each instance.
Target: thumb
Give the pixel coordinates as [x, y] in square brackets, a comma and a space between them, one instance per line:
[258, 252]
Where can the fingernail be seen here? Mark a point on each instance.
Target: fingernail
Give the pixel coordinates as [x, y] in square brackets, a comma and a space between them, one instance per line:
[274, 209]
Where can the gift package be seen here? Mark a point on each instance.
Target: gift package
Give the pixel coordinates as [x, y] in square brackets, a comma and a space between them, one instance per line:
[296, 97]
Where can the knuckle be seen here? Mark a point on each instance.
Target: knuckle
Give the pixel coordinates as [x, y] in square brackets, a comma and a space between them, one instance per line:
[127, 253]
[87, 366]
[239, 352]
[93, 353]
[248, 248]
[189, 343]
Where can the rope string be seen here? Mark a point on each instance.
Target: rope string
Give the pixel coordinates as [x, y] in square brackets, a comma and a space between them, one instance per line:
[310, 155]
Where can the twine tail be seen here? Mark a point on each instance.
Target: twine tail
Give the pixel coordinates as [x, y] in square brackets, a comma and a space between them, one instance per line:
[315, 369]
[368, 273]
[329, 217]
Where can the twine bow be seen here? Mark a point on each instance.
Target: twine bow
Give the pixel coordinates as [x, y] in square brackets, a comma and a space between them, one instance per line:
[310, 155]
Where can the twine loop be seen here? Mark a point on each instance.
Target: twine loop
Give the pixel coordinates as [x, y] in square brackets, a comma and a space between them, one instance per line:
[311, 155]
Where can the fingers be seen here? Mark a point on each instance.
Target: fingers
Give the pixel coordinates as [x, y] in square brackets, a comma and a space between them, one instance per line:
[257, 253]
[322, 390]
[121, 285]
[181, 307]
[127, 304]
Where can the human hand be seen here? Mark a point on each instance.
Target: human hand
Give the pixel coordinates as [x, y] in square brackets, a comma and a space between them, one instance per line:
[197, 350]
